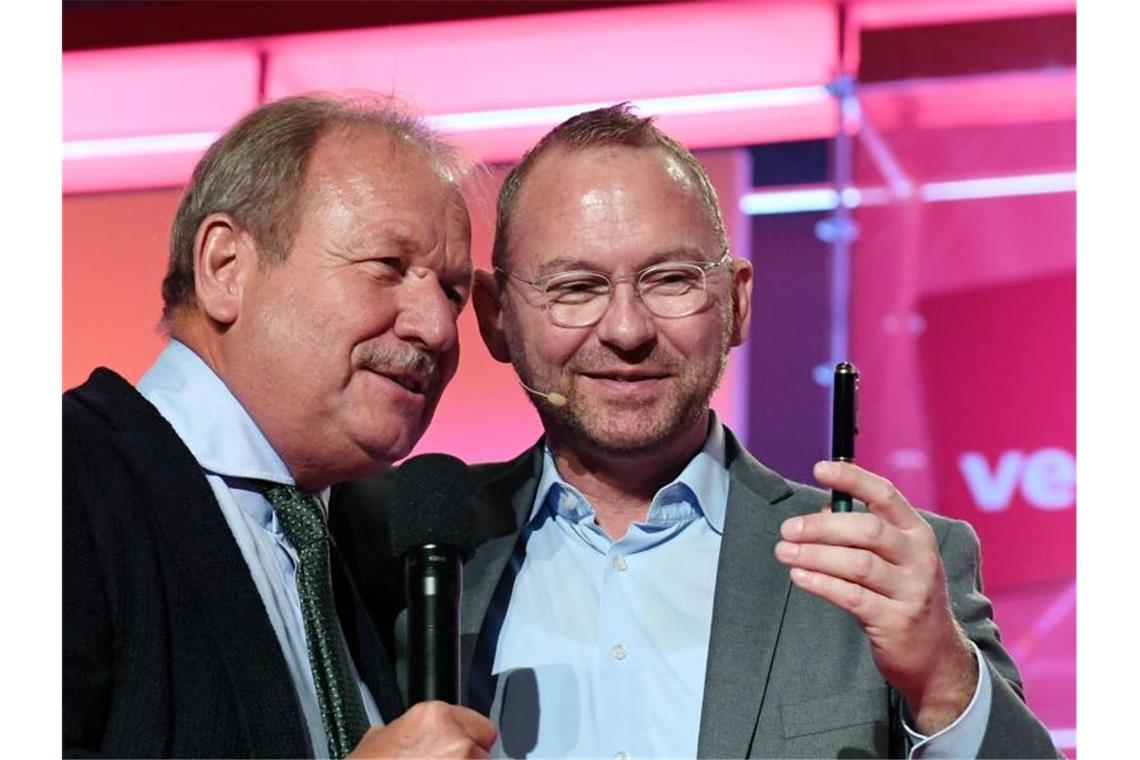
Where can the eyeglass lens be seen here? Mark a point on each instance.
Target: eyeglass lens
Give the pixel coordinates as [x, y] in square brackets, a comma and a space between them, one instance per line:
[577, 299]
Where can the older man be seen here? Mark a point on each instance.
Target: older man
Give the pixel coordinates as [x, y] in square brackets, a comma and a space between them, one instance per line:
[319, 260]
[650, 589]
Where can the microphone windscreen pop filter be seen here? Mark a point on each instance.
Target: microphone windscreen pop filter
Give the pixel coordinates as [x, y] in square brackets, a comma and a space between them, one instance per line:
[433, 504]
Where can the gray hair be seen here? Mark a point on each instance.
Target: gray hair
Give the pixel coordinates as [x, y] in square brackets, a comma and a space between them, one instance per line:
[255, 172]
[614, 125]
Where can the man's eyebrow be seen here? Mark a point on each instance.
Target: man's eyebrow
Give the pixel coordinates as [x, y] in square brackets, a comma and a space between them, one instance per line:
[387, 242]
[564, 264]
[680, 253]
[570, 263]
[404, 244]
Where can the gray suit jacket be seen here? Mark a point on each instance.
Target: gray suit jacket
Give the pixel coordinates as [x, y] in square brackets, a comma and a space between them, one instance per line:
[788, 674]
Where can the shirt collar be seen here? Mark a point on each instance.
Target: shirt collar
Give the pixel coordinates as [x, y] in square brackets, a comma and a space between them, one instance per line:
[209, 419]
[705, 477]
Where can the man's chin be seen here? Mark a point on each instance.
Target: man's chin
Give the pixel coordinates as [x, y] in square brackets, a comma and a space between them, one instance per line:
[392, 444]
[636, 439]
[622, 431]
[618, 448]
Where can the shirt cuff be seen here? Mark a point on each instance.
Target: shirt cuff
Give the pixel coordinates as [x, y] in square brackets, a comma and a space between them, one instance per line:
[963, 737]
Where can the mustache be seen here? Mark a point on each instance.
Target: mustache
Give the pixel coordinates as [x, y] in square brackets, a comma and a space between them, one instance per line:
[401, 359]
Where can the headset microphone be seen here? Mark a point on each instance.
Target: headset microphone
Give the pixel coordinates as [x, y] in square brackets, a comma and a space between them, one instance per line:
[554, 397]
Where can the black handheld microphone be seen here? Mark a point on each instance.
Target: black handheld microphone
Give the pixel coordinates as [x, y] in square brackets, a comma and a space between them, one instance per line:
[433, 528]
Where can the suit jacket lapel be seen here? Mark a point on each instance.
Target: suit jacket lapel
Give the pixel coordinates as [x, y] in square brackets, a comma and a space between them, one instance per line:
[210, 567]
[488, 577]
[748, 607]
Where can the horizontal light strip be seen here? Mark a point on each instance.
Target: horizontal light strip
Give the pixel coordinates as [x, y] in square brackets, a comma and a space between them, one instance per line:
[137, 146]
[476, 121]
[789, 201]
[671, 106]
[816, 198]
[997, 187]
[811, 198]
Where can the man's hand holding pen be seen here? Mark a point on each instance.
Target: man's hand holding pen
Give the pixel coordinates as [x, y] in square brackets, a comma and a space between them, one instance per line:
[883, 567]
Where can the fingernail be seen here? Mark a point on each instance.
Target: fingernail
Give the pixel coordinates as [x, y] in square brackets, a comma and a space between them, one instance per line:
[793, 527]
[825, 469]
[799, 574]
[787, 551]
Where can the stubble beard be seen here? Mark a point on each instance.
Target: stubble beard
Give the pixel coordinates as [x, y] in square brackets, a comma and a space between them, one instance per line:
[631, 429]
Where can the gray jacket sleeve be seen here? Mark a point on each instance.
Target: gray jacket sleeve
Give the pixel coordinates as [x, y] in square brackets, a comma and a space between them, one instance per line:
[1012, 731]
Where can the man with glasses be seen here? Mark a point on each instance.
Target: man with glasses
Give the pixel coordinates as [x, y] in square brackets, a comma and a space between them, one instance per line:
[647, 588]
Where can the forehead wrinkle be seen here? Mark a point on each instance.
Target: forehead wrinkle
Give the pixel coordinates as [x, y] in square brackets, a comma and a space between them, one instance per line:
[388, 237]
[376, 169]
[405, 232]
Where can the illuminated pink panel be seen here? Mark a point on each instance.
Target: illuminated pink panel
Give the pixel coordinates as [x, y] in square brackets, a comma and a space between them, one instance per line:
[92, 175]
[140, 117]
[960, 101]
[563, 58]
[164, 89]
[888, 13]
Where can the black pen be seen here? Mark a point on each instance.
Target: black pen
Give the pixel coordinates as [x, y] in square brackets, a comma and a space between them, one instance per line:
[844, 426]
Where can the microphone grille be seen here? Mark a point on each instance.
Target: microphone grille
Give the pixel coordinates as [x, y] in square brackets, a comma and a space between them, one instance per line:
[433, 504]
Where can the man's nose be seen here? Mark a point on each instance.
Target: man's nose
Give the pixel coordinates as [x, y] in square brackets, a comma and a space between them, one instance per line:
[626, 324]
[427, 316]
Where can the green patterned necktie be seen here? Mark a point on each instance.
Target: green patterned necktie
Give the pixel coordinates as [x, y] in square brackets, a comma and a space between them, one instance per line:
[342, 709]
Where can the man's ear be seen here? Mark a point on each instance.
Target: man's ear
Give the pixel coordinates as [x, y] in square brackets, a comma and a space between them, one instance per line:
[741, 300]
[487, 297]
[223, 255]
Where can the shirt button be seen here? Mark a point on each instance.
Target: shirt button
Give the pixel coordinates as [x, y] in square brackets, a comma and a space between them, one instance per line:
[623, 755]
[620, 564]
[619, 652]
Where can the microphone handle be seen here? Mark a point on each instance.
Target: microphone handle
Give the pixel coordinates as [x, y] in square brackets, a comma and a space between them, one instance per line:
[434, 581]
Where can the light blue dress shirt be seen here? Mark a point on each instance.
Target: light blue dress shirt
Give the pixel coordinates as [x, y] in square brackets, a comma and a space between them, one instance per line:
[613, 636]
[232, 452]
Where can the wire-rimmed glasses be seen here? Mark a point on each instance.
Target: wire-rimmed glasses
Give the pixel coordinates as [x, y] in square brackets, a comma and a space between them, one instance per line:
[580, 298]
